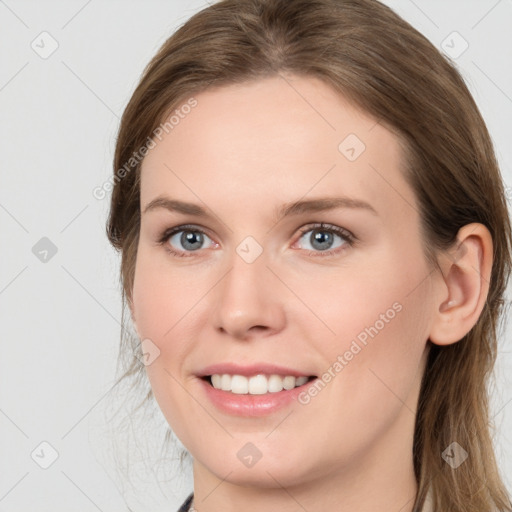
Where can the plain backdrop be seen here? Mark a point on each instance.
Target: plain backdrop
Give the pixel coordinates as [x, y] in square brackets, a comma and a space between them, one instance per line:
[59, 292]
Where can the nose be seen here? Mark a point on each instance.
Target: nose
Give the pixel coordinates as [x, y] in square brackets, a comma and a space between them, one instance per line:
[249, 300]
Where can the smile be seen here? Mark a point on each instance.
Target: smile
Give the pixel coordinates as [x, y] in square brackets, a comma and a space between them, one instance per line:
[257, 384]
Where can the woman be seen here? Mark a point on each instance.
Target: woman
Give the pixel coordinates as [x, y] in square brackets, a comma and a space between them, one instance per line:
[315, 248]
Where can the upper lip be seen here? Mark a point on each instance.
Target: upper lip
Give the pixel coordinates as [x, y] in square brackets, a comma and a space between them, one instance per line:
[252, 369]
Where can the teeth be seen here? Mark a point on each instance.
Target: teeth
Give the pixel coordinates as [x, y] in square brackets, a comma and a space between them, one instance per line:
[257, 384]
[299, 381]
[217, 381]
[289, 382]
[275, 383]
[225, 383]
[239, 384]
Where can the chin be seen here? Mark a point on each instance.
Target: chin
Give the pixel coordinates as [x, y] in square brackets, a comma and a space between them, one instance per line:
[267, 472]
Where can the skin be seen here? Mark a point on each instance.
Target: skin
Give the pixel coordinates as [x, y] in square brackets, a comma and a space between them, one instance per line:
[242, 152]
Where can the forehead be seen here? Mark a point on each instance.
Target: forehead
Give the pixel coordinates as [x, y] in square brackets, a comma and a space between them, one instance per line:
[275, 140]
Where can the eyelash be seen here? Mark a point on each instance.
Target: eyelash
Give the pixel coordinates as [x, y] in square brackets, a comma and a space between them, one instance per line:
[347, 237]
[344, 234]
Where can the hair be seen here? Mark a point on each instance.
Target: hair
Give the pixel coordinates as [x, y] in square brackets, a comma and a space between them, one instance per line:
[385, 67]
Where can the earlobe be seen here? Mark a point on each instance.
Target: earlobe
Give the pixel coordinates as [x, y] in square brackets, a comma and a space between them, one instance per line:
[466, 272]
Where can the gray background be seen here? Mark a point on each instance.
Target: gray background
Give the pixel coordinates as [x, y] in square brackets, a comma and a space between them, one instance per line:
[60, 317]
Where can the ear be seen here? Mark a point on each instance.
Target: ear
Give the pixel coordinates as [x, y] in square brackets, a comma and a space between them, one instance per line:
[466, 272]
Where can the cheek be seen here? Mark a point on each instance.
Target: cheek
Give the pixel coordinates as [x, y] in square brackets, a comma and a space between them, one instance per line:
[376, 362]
[379, 318]
[158, 307]
[166, 301]
[161, 296]
[378, 294]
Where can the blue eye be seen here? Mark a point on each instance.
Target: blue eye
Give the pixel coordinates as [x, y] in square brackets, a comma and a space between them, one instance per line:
[190, 238]
[325, 238]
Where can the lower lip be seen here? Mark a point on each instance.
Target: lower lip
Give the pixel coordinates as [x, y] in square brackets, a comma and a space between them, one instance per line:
[252, 405]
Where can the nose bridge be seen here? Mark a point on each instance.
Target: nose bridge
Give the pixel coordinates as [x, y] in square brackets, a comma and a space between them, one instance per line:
[248, 296]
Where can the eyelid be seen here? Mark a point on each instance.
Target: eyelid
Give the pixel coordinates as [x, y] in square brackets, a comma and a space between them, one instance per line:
[344, 233]
[182, 227]
[168, 233]
[349, 237]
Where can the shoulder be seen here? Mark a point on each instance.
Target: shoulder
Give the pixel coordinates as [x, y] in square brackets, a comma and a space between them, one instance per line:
[186, 503]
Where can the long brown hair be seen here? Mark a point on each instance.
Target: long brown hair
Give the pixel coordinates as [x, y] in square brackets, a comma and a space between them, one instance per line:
[388, 69]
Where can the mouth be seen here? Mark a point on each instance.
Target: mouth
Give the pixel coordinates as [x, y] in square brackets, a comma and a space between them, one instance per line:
[259, 384]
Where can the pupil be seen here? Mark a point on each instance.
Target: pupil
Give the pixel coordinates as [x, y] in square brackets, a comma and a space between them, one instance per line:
[323, 238]
[189, 238]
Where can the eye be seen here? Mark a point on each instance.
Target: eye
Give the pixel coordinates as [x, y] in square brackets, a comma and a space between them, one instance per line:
[322, 239]
[325, 239]
[185, 239]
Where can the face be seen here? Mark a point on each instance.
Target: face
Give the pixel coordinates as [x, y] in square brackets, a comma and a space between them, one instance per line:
[301, 250]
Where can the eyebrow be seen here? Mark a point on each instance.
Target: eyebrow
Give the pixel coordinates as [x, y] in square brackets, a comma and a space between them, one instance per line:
[286, 210]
